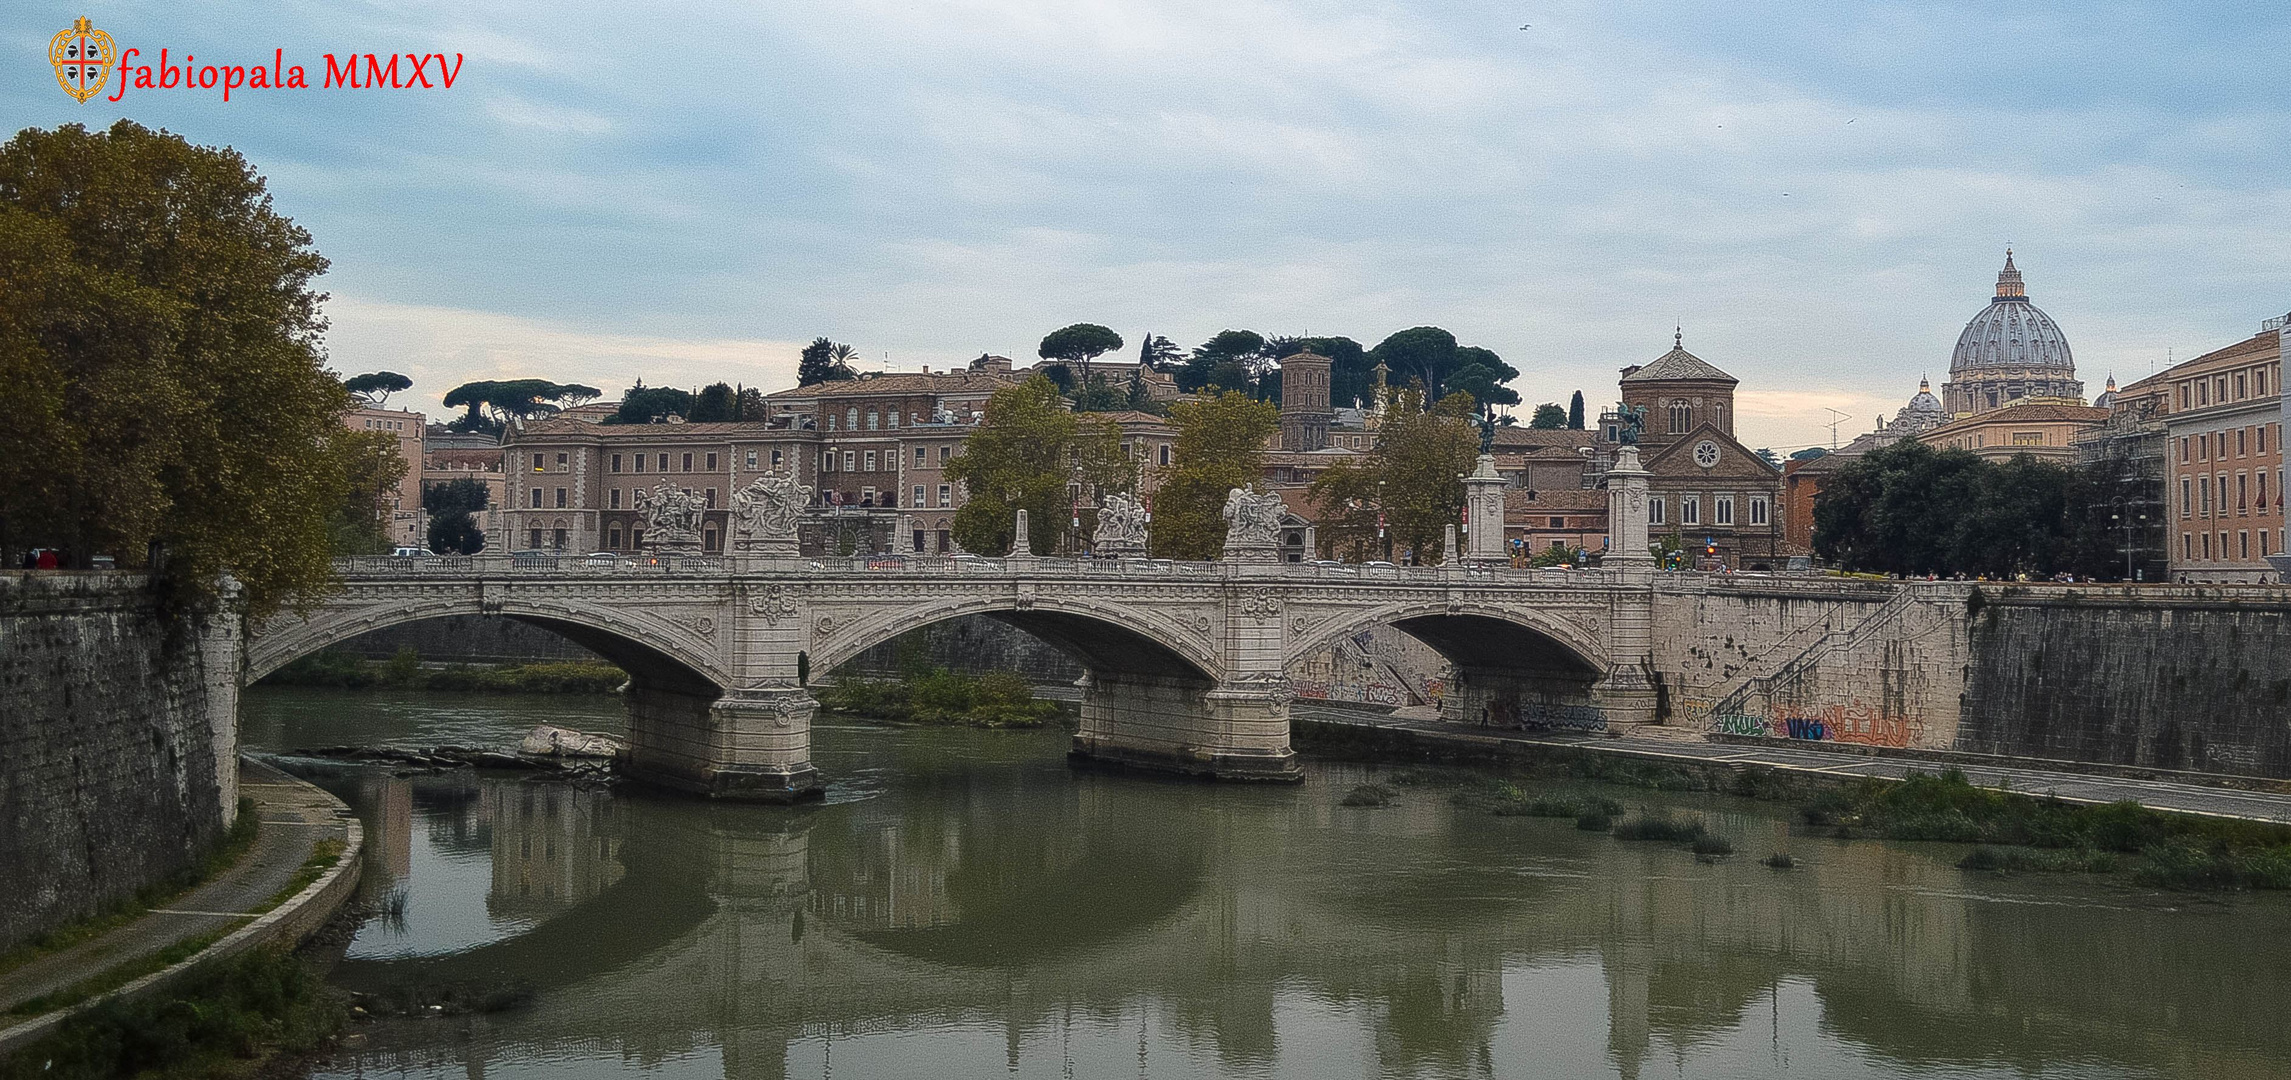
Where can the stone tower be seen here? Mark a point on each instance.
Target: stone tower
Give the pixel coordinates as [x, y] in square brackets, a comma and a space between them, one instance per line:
[1305, 412]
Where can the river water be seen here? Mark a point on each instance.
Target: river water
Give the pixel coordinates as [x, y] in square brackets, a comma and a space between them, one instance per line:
[965, 906]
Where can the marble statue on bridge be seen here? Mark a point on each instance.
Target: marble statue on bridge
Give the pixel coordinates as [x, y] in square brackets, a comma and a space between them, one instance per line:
[765, 513]
[1121, 526]
[671, 518]
[1253, 524]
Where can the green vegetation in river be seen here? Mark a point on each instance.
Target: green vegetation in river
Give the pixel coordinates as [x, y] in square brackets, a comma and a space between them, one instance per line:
[937, 696]
[404, 671]
[225, 1019]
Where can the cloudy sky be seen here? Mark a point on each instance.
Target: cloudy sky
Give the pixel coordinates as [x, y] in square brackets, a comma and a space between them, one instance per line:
[1820, 193]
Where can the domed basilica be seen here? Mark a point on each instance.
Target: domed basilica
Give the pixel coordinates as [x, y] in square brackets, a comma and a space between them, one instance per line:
[2011, 350]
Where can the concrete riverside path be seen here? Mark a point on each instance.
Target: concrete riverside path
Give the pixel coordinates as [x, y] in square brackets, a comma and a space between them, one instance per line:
[2156, 794]
[295, 817]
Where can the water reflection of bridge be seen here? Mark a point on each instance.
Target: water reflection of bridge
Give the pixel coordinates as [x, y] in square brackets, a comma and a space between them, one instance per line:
[1031, 902]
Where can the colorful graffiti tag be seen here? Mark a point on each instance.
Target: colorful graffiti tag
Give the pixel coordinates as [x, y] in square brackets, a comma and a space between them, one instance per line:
[1856, 722]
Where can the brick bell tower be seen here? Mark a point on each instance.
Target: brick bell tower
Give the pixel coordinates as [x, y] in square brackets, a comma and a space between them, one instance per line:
[1305, 412]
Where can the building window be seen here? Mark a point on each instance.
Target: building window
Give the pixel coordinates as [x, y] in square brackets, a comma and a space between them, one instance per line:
[775, 459]
[711, 463]
[867, 496]
[616, 498]
[2187, 502]
[946, 542]
[560, 498]
[2183, 449]
[561, 466]
[2242, 497]
[2207, 545]
[871, 461]
[916, 499]
[1558, 522]
[533, 499]
[946, 494]
[1757, 510]
[711, 498]
[891, 419]
[708, 538]
[687, 463]
[537, 462]
[1690, 510]
[2187, 545]
[1680, 414]
[922, 457]
[850, 461]
[635, 537]
[851, 418]
[2028, 438]
[536, 540]
[612, 541]
[640, 463]
[2203, 397]
[1654, 511]
[1725, 510]
[664, 463]
[873, 419]
[1165, 453]
[2203, 498]
[751, 459]
[946, 454]
[918, 541]
[831, 421]
[2243, 544]
[616, 462]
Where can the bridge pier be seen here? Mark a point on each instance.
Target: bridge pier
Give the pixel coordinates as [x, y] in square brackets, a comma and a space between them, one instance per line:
[751, 745]
[1237, 730]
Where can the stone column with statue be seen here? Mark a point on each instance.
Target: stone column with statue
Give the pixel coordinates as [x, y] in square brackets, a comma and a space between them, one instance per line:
[765, 515]
[1627, 694]
[671, 519]
[1483, 515]
[1121, 531]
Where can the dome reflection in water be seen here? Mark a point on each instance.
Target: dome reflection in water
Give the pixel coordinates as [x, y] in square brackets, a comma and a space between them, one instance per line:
[966, 906]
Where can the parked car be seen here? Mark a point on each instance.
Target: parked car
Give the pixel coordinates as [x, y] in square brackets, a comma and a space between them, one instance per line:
[603, 558]
[407, 553]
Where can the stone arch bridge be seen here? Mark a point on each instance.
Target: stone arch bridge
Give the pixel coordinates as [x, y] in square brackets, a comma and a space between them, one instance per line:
[1185, 661]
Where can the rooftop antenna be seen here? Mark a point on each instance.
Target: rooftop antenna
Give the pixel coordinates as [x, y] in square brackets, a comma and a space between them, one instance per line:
[1833, 425]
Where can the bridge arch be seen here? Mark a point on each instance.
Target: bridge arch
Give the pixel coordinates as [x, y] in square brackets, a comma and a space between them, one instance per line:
[1515, 665]
[1103, 638]
[657, 652]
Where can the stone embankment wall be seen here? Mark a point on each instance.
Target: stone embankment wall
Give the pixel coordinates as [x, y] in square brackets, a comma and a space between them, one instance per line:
[2187, 677]
[118, 745]
[467, 639]
[2179, 677]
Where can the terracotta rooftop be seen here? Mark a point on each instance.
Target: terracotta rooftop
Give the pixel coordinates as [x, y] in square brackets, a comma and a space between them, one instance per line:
[934, 383]
[1675, 365]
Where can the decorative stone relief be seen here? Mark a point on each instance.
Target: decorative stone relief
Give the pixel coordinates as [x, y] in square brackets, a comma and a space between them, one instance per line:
[825, 625]
[705, 625]
[773, 603]
[1262, 603]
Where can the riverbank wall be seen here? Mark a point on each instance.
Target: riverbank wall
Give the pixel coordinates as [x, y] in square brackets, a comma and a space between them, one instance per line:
[2186, 678]
[118, 744]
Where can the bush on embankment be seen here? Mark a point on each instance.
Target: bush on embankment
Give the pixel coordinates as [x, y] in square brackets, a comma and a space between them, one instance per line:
[405, 672]
[2175, 851]
[221, 1018]
[940, 697]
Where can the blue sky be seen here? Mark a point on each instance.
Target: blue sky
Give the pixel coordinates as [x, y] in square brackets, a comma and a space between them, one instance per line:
[1820, 193]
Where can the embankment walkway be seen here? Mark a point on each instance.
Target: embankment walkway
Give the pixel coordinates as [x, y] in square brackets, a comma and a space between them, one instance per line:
[2158, 794]
[239, 909]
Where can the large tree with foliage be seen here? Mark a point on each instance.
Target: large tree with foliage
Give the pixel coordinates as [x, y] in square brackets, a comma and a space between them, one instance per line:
[375, 387]
[372, 469]
[492, 403]
[646, 404]
[1548, 417]
[1079, 345]
[1413, 478]
[1032, 454]
[1159, 353]
[1911, 509]
[1575, 412]
[453, 506]
[824, 361]
[1231, 360]
[1220, 446]
[160, 365]
[1429, 358]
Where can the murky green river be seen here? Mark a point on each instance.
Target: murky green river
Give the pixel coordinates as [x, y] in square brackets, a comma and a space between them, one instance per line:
[965, 906]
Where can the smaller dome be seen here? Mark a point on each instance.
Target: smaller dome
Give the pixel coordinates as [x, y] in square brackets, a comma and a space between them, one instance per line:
[1923, 413]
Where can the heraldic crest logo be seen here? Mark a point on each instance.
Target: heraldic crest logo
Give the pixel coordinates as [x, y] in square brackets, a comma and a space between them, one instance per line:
[83, 56]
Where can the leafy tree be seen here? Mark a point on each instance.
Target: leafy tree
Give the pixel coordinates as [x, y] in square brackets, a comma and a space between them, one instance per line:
[571, 394]
[522, 399]
[1220, 446]
[1769, 457]
[824, 361]
[646, 404]
[1078, 345]
[1228, 361]
[1809, 453]
[1422, 455]
[1346, 503]
[372, 468]
[1481, 374]
[1017, 459]
[1159, 353]
[1911, 509]
[1430, 358]
[1575, 412]
[714, 405]
[1100, 395]
[160, 366]
[375, 387]
[456, 535]
[461, 495]
[1548, 417]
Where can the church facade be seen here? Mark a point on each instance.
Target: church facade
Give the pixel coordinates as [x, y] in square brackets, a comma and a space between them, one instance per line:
[1717, 499]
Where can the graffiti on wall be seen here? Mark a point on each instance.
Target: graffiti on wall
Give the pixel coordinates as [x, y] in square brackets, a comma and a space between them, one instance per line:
[1855, 722]
[1543, 716]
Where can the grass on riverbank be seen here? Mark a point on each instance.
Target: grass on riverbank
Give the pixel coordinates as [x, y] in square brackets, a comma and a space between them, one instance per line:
[940, 697]
[2027, 833]
[220, 1021]
[404, 671]
[223, 856]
